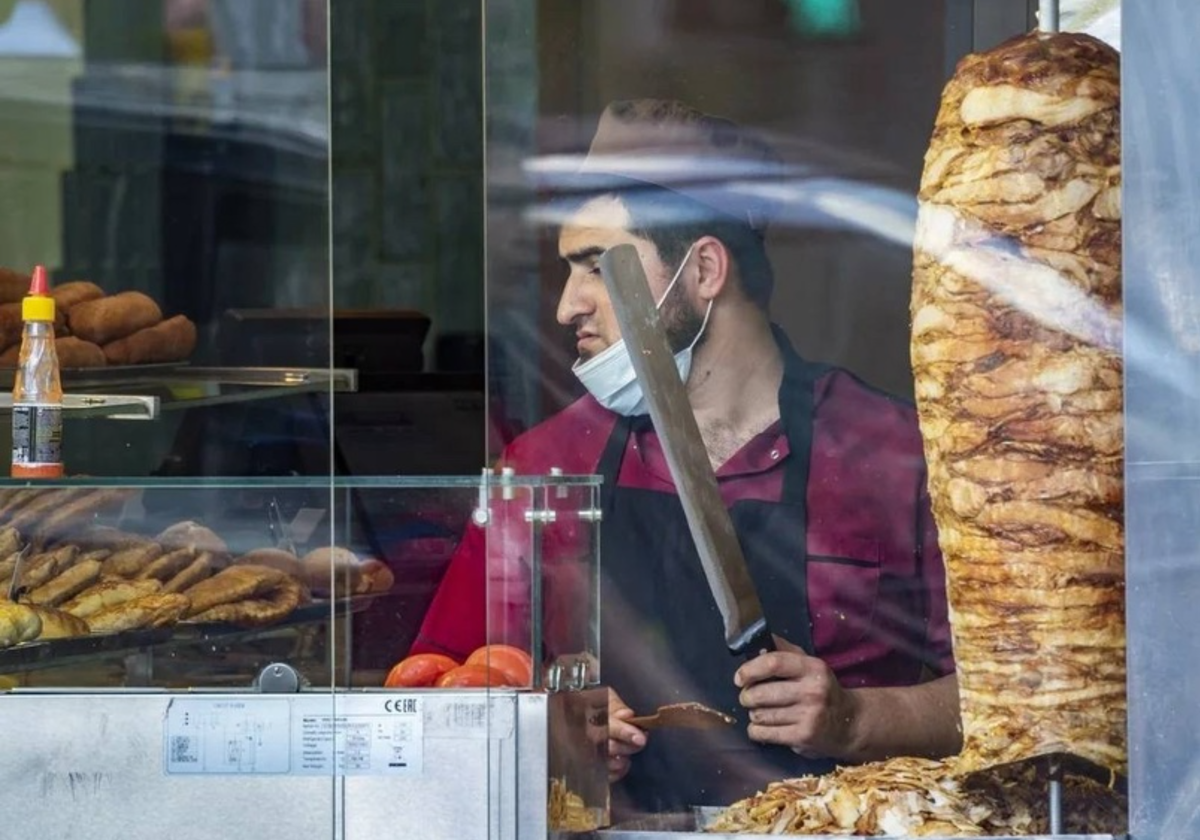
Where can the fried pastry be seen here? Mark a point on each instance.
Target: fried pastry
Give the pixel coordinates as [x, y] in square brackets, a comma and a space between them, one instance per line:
[276, 558]
[236, 583]
[8, 565]
[129, 562]
[14, 503]
[10, 543]
[18, 623]
[106, 319]
[167, 566]
[70, 512]
[270, 607]
[41, 567]
[66, 584]
[194, 537]
[333, 570]
[67, 295]
[199, 569]
[147, 612]
[108, 537]
[110, 592]
[57, 624]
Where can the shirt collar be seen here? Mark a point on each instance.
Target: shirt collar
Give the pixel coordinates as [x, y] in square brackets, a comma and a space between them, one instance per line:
[762, 453]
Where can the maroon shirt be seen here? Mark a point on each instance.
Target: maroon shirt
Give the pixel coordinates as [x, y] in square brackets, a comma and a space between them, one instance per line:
[876, 585]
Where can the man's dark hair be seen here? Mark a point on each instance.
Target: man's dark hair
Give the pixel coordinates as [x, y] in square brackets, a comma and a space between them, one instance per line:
[673, 222]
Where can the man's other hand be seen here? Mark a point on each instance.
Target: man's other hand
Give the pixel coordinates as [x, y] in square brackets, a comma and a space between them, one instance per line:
[795, 700]
[624, 739]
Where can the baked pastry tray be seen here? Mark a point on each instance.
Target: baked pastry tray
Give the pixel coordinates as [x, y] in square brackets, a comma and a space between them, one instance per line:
[51, 653]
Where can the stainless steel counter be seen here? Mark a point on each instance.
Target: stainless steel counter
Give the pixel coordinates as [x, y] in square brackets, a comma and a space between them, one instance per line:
[677, 826]
[106, 767]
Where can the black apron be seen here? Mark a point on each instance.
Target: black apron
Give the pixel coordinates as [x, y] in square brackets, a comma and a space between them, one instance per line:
[661, 634]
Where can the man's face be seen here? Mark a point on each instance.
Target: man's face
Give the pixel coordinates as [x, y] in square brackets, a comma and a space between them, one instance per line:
[601, 224]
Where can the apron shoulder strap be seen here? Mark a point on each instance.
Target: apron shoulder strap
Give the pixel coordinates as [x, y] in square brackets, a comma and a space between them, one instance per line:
[797, 405]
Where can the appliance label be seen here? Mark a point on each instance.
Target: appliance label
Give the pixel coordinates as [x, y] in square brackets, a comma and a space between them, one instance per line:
[375, 735]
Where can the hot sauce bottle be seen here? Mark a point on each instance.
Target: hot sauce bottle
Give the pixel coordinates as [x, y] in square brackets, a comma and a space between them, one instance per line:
[37, 390]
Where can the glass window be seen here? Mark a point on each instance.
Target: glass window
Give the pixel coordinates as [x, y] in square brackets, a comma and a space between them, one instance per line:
[837, 213]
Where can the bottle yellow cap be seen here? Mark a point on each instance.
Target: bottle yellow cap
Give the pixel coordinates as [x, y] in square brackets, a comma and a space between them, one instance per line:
[38, 305]
[37, 308]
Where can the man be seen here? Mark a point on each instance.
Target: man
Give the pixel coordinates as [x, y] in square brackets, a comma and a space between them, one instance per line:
[823, 476]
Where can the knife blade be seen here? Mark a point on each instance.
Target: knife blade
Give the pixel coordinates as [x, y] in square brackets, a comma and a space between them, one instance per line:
[745, 626]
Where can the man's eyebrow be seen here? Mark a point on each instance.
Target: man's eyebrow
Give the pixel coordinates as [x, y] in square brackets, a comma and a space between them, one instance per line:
[584, 254]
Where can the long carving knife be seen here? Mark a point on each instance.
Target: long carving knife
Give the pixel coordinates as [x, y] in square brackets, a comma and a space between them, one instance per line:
[746, 631]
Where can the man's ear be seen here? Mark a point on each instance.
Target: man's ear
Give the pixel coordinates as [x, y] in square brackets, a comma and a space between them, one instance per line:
[713, 264]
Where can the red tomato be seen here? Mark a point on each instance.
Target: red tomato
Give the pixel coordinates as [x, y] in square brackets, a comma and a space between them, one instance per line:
[471, 676]
[514, 663]
[420, 669]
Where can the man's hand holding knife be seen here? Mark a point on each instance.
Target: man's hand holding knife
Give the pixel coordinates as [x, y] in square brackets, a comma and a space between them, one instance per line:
[796, 701]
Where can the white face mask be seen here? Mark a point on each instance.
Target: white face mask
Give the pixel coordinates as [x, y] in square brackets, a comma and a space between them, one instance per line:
[610, 378]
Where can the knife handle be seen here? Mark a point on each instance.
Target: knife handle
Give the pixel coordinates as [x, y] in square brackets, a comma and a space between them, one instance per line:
[761, 642]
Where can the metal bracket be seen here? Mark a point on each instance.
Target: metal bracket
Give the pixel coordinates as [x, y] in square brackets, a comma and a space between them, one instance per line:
[541, 517]
[560, 492]
[280, 532]
[579, 675]
[592, 515]
[570, 674]
[119, 407]
[482, 514]
[507, 493]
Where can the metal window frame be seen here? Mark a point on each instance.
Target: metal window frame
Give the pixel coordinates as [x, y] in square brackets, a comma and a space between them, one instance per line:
[975, 25]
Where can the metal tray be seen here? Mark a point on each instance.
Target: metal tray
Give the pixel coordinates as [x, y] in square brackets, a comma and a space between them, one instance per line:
[38, 655]
[662, 826]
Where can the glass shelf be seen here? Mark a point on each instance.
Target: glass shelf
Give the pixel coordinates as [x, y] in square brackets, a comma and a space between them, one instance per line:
[314, 482]
[111, 407]
[143, 392]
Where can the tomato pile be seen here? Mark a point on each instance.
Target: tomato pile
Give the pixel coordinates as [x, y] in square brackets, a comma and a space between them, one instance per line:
[490, 665]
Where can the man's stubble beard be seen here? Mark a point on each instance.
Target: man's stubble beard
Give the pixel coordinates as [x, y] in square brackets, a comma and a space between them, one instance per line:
[681, 321]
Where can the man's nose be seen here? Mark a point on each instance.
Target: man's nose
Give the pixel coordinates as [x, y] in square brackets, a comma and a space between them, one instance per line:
[572, 303]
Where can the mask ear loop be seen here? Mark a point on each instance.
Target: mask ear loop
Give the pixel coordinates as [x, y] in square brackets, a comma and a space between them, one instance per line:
[675, 279]
[703, 324]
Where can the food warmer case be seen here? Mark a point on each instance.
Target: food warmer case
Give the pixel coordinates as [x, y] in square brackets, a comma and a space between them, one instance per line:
[276, 730]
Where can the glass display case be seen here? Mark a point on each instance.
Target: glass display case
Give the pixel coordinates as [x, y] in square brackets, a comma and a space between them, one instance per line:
[287, 675]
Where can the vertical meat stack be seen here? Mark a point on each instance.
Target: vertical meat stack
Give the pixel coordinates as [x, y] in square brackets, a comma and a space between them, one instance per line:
[1016, 340]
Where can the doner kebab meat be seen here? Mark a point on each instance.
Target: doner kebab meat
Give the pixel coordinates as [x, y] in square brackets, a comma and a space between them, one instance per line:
[1016, 337]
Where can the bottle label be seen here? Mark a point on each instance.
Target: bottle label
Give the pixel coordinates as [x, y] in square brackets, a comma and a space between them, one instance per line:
[37, 434]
